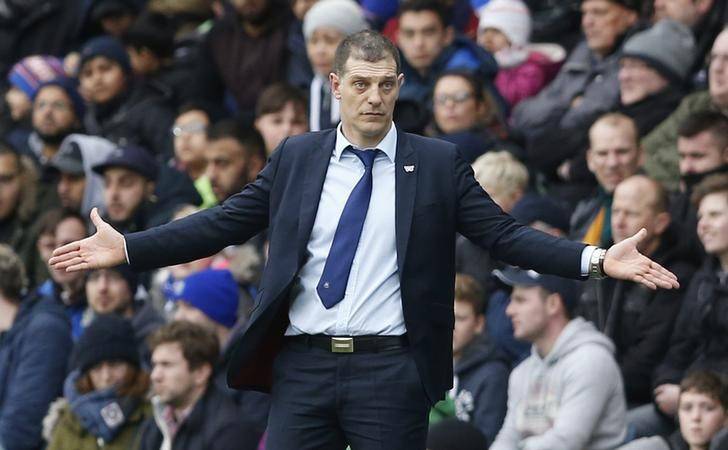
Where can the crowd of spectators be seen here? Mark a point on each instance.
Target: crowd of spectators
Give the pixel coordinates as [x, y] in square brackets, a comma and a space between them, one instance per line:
[590, 119]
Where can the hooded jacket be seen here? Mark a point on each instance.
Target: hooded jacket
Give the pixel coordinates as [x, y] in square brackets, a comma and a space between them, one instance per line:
[570, 399]
[481, 376]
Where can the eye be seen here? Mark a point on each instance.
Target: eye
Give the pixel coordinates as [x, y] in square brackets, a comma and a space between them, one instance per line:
[359, 84]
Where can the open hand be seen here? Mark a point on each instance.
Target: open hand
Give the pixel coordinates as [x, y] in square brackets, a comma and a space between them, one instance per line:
[624, 262]
[102, 250]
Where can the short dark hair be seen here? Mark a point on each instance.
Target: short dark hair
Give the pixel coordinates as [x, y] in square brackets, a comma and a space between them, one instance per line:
[711, 121]
[199, 345]
[713, 184]
[469, 290]
[365, 45]
[470, 79]
[152, 31]
[12, 274]
[248, 137]
[443, 11]
[707, 383]
[276, 96]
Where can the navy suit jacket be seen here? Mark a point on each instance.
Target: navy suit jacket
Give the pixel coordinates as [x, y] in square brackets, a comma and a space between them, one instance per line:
[434, 201]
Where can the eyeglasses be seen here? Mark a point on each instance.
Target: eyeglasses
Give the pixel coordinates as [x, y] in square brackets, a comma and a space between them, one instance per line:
[458, 98]
[189, 128]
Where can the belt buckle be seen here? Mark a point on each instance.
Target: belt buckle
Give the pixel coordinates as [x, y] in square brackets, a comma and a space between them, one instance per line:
[342, 345]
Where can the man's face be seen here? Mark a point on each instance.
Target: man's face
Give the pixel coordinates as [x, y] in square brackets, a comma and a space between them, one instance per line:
[527, 311]
[422, 37]
[107, 292]
[321, 48]
[638, 81]
[10, 185]
[687, 12]
[718, 71]
[633, 208]
[124, 192]
[700, 153]
[613, 155]
[187, 312]
[53, 114]
[190, 137]
[367, 92]
[226, 167]
[713, 223]
[454, 105]
[276, 126]
[69, 230]
[116, 25]
[172, 379]
[603, 22]
[101, 80]
[700, 417]
[70, 190]
[250, 10]
[468, 324]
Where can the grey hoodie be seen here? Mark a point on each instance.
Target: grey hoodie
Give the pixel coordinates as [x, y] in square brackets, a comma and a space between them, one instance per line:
[572, 399]
[94, 150]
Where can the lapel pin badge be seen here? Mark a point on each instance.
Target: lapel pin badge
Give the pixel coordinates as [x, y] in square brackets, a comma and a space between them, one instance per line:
[409, 169]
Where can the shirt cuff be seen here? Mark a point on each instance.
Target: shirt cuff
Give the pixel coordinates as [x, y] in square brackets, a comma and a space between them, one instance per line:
[586, 255]
[126, 255]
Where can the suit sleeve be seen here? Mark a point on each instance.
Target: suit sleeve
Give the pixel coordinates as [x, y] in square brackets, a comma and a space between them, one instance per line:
[205, 233]
[482, 221]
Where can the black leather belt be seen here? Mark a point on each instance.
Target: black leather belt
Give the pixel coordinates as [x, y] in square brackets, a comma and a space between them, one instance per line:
[351, 344]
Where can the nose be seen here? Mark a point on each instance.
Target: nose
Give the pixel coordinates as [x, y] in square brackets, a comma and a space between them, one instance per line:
[509, 309]
[374, 98]
[156, 375]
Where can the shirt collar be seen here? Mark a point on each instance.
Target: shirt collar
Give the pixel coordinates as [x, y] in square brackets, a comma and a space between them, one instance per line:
[388, 145]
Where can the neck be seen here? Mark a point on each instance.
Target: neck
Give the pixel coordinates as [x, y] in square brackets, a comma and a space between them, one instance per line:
[545, 343]
[361, 141]
[49, 151]
[651, 247]
[8, 311]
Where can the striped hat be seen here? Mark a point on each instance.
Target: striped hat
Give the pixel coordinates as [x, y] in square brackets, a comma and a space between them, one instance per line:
[32, 71]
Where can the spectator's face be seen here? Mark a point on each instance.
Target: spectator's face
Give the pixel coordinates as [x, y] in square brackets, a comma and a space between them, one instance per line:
[143, 61]
[455, 106]
[718, 71]
[276, 126]
[493, 40]
[124, 192]
[18, 102]
[713, 223]
[172, 379]
[53, 114]
[250, 10]
[603, 22]
[190, 138]
[633, 208]
[659, 10]
[45, 245]
[187, 312]
[226, 167]
[69, 230]
[107, 292]
[70, 190]
[701, 417]
[687, 12]
[117, 24]
[367, 92]
[614, 154]
[108, 374]
[700, 153]
[468, 324]
[422, 37]
[321, 47]
[10, 185]
[101, 80]
[528, 313]
[638, 81]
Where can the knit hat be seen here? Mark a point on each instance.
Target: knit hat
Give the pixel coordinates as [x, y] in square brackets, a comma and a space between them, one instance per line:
[510, 17]
[104, 8]
[69, 86]
[108, 47]
[214, 292]
[668, 47]
[32, 71]
[108, 338]
[344, 15]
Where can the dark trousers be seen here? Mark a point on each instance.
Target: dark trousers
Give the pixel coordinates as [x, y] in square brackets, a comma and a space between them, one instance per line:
[324, 401]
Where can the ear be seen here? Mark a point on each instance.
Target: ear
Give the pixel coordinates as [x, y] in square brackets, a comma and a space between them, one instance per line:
[661, 221]
[400, 82]
[149, 188]
[703, 6]
[202, 374]
[479, 323]
[589, 160]
[554, 304]
[335, 85]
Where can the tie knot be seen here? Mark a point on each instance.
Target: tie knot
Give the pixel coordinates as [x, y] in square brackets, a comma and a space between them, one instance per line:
[366, 156]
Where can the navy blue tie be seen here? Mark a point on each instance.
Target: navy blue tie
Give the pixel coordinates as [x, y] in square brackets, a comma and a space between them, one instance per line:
[332, 285]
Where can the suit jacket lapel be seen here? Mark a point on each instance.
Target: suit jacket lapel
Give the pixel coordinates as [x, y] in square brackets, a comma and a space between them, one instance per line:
[405, 181]
[314, 173]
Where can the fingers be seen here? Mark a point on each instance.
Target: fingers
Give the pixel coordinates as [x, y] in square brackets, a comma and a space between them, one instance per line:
[96, 218]
[639, 236]
[65, 249]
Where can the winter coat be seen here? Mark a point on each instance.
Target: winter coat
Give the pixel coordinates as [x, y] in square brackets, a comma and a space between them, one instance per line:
[528, 78]
[700, 340]
[586, 212]
[639, 320]
[676, 442]
[33, 357]
[570, 399]
[96, 420]
[75, 313]
[214, 423]
[94, 150]
[481, 385]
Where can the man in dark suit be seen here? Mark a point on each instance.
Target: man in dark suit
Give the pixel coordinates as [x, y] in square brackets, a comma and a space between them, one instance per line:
[356, 314]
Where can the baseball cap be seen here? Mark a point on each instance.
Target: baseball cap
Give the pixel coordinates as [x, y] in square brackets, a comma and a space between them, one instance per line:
[515, 276]
[69, 159]
[130, 157]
